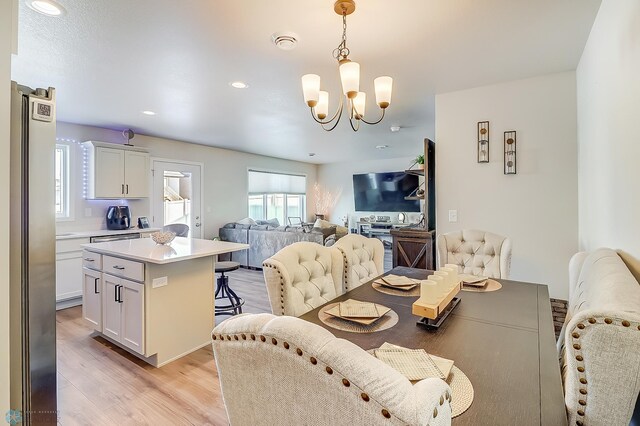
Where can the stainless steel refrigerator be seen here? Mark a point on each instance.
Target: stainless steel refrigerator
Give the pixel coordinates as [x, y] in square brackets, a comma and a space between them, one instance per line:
[32, 255]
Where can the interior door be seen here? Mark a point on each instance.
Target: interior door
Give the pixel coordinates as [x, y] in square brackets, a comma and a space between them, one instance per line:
[177, 195]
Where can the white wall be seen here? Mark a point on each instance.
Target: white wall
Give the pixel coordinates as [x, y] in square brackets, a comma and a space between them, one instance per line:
[224, 178]
[338, 178]
[538, 207]
[6, 37]
[608, 81]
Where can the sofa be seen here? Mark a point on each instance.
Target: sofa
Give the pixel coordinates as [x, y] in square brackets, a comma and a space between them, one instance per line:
[599, 344]
[265, 240]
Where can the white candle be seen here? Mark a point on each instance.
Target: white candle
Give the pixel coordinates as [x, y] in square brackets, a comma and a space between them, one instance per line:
[440, 283]
[446, 278]
[453, 276]
[429, 291]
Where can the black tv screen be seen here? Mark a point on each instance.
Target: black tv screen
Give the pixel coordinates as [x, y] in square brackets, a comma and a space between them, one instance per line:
[385, 192]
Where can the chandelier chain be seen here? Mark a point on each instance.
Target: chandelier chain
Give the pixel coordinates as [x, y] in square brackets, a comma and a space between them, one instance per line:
[342, 51]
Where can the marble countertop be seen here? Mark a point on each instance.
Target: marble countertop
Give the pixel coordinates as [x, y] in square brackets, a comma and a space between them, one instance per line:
[101, 233]
[145, 250]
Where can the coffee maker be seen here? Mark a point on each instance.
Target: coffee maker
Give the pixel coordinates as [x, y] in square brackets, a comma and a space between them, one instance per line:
[118, 217]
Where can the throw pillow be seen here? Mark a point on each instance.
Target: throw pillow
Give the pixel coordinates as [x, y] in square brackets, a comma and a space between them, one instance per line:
[322, 224]
[271, 222]
[247, 221]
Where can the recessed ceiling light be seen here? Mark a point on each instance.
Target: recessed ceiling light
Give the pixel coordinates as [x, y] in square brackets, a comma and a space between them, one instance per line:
[382, 146]
[46, 7]
[239, 84]
[148, 112]
[394, 129]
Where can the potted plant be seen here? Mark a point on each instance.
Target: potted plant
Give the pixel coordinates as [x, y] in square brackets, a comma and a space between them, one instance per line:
[420, 161]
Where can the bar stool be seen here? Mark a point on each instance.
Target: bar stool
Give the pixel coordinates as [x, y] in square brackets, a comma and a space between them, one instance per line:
[223, 291]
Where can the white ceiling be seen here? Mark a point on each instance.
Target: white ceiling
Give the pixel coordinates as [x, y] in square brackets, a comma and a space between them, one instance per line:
[111, 59]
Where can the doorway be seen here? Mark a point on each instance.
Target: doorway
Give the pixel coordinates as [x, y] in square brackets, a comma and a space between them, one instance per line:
[177, 195]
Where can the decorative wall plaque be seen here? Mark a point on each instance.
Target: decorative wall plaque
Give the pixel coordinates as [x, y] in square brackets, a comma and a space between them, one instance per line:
[510, 152]
[483, 142]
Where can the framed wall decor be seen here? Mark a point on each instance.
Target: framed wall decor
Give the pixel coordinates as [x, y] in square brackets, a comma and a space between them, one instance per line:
[510, 162]
[483, 142]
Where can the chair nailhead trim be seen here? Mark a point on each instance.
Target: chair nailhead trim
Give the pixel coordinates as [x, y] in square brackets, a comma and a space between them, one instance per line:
[264, 339]
[253, 337]
[583, 380]
[329, 370]
[286, 345]
[581, 326]
[364, 397]
[346, 382]
[583, 391]
[441, 400]
[235, 337]
[299, 351]
[579, 423]
[576, 346]
[435, 413]
[274, 341]
[228, 337]
[582, 402]
[313, 360]
[580, 412]
[592, 320]
[214, 337]
[581, 369]
[579, 358]
[447, 395]
[608, 320]
[626, 323]
[385, 413]
[244, 336]
[575, 335]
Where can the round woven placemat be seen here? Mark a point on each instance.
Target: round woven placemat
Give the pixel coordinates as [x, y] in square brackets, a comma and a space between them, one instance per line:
[461, 390]
[492, 285]
[414, 292]
[387, 321]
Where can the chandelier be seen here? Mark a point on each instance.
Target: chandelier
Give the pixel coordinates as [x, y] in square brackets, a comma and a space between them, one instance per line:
[318, 100]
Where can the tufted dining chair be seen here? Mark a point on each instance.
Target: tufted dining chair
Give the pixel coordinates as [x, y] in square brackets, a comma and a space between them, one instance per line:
[302, 276]
[476, 252]
[287, 371]
[363, 259]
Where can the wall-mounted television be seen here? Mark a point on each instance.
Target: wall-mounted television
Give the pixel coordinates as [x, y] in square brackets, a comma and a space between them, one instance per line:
[385, 192]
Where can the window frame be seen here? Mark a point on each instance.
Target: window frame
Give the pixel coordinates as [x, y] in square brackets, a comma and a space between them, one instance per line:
[303, 207]
[66, 184]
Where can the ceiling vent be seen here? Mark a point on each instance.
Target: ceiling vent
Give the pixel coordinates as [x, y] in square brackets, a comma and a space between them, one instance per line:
[285, 41]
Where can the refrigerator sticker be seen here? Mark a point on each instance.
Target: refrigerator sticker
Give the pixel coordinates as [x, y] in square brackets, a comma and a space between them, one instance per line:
[42, 111]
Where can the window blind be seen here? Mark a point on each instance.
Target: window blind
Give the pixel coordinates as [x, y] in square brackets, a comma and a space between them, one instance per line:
[276, 183]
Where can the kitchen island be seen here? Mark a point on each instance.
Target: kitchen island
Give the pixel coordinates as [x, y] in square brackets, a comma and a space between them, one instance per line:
[154, 301]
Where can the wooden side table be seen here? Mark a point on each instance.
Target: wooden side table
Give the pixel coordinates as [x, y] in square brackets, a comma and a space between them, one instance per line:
[413, 248]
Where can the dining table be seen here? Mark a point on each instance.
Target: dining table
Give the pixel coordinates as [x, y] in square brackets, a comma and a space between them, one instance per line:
[503, 341]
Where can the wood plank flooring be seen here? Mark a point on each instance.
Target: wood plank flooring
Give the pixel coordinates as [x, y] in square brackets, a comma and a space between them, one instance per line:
[101, 384]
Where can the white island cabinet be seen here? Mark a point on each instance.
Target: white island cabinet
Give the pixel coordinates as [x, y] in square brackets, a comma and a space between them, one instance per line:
[155, 301]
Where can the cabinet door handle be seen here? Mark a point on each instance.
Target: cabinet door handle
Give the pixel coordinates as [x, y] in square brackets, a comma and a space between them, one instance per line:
[115, 294]
[127, 185]
[95, 286]
[120, 294]
[122, 188]
[119, 268]
[86, 259]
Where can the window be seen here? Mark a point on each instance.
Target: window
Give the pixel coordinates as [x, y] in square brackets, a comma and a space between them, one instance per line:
[276, 195]
[62, 170]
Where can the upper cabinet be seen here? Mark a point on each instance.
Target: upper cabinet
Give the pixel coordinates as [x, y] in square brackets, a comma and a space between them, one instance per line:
[116, 171]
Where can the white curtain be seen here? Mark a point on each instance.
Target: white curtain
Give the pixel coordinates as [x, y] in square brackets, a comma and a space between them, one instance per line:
[276, 183]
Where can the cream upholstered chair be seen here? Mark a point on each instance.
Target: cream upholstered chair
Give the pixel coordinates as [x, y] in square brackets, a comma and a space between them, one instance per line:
[302, 276]
[599, 343]
[363, 259]
[476, 252]
[287, 371]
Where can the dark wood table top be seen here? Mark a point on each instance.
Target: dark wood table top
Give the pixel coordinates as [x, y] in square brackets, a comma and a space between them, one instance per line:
[503, 341]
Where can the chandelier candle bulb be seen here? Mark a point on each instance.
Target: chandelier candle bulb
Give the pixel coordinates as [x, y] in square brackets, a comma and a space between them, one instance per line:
[322, 108]
[311, 89]
[383, 86]
[359, 104]
[350, 77]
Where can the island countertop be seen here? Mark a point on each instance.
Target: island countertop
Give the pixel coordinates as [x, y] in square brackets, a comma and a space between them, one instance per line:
[146, 250]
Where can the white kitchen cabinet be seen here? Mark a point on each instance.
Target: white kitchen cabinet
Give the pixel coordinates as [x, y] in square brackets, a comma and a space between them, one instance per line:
[92, 298]
[69, 275]
[123, 311]
[115, 171]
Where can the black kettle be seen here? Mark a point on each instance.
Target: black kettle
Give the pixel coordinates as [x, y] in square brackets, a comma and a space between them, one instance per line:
[118, 217]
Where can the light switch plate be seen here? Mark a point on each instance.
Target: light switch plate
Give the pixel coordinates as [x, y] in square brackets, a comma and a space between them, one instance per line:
[159, 282]
[453, 216]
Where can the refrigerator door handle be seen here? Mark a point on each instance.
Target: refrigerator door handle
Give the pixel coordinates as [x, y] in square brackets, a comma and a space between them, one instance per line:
[95, 286]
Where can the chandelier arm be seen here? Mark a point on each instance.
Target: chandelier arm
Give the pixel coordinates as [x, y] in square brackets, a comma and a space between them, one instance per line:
[337, 121]
[355, 128]
[374, 122]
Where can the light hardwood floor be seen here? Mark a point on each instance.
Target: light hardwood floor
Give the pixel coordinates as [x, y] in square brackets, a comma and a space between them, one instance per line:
[101, 384]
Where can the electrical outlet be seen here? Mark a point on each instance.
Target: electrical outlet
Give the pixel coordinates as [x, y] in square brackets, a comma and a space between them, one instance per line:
[453, 216]
[159, 282]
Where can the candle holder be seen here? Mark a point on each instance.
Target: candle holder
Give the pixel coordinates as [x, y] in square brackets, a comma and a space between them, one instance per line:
[510, 153]
[483, 142]
[434, 314]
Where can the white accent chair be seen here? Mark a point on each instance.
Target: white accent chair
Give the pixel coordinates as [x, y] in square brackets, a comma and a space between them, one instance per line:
[599, 343]
[287, 371]
[363, 259]
[476, 252]
[303, 276]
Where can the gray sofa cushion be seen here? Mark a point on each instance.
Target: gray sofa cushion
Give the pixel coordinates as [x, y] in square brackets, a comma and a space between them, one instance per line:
[271, 222]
